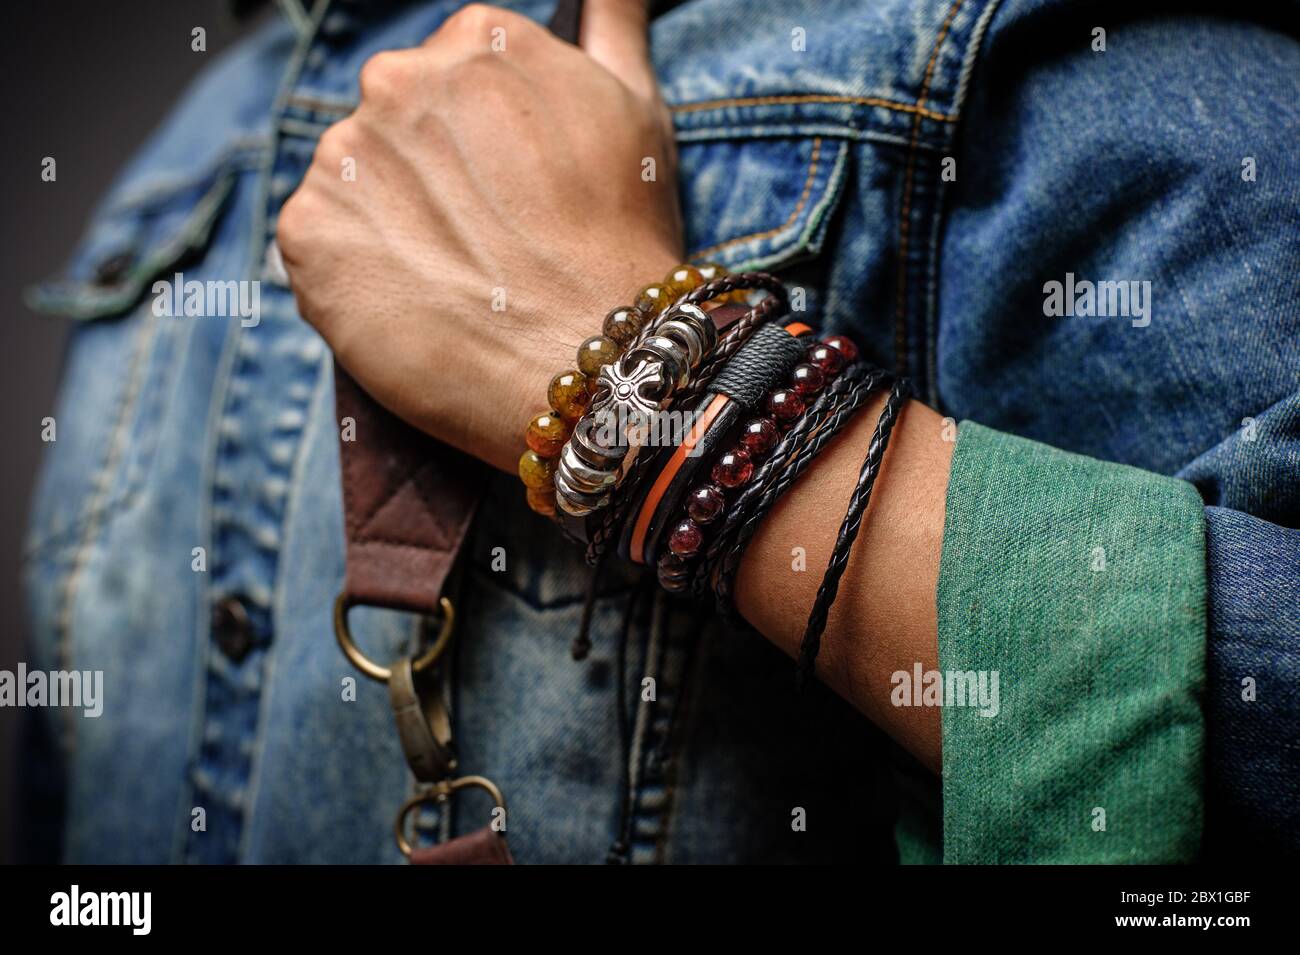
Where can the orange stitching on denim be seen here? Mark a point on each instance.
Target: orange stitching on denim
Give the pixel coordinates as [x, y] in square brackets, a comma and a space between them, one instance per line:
[904, 224]
[918, 109]
[794, 216]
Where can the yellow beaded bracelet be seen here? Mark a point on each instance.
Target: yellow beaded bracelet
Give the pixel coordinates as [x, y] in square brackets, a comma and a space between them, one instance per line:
[569, 392]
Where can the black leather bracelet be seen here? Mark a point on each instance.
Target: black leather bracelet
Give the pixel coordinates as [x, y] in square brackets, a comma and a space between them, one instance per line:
[765, 360]
[797, 450]
[604, 527]
[849, 528]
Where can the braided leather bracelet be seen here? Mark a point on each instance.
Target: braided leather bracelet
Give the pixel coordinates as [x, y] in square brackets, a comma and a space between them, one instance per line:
[610, 524]
[735, 405]
[849, 528]
[734, 468]
[801, 446]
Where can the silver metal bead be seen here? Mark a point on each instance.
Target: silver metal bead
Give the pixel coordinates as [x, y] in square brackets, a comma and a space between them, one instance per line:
[688, 336]
[673, 357]
[699, 318]
[583, 477]
[576, 502]
[594, 452]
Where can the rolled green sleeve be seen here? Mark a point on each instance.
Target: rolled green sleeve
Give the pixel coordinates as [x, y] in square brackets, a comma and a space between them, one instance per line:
[1081, 585]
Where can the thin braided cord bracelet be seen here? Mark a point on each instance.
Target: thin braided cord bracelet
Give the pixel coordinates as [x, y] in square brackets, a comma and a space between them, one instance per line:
[821, 432]
[770, 469]
[612, 520]
[732, 416]
[714, 288]
[770, 386]
[819, 427]
[849, 529]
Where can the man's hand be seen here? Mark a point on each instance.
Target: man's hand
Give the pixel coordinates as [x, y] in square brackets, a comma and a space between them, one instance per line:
[520, 171]
[459, 234]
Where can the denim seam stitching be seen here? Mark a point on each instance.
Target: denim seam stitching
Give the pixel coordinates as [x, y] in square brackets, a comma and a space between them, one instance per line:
[635, 768]
[292, 506]
[904, 224]
[917, 109]
[245, 152]
[802, 129]
[680, 732]
[321, 103]
[931, 310]
[90, 530]
[828, 201]
[226, 366]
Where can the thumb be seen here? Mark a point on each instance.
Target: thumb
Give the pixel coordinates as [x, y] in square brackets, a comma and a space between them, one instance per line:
[614, 34]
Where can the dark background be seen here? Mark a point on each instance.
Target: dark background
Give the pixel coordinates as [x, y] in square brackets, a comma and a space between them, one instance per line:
[85, 82]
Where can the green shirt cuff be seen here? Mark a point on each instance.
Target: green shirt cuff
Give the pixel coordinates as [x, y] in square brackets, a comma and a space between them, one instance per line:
[1081, 585]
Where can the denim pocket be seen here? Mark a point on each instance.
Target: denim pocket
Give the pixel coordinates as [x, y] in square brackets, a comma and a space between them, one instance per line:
[758, 202]
[119, 365]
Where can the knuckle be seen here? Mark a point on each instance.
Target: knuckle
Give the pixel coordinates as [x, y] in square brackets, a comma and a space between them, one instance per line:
[475, 25]
[291, 226]
[335, 142]
[472, 18]
[385, 75]
[477, 21]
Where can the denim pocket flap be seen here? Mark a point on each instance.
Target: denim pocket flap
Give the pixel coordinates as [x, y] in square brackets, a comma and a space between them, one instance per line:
[758, 202]
[131, 241]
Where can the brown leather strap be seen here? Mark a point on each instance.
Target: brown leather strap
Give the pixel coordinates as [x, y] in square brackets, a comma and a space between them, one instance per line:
[407, 502]
[480, 847]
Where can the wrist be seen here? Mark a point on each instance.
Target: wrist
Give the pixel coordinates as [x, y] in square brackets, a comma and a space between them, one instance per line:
[885, 618]
[546, 344]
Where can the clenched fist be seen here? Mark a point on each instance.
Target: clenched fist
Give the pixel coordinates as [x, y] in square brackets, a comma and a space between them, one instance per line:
[458, 235]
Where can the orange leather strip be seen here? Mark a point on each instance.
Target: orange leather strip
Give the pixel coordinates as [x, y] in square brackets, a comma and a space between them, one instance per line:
[674, 464]
[698, 430]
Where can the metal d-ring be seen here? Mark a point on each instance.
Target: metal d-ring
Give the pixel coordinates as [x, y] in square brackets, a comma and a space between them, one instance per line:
[440, 792]
[372, 669]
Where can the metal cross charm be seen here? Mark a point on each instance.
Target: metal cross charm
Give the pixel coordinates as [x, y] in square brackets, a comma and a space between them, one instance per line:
[629, 398]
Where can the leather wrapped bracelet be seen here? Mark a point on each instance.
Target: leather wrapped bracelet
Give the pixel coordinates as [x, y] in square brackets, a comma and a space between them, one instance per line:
[738, 390]
[735, 467]
[605, 530]
[832, 411]
[570, 392]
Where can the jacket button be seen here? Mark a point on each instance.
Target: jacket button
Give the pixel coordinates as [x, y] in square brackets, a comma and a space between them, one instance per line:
[231, 628]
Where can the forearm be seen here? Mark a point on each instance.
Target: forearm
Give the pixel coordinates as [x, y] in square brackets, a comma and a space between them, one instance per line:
[884, 618]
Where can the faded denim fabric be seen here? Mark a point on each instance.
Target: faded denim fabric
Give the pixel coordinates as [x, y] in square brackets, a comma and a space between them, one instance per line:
[824, 164]
[1128, 165]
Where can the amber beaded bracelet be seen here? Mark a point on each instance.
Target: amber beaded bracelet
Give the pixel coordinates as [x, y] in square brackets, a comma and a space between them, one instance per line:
[569, 393]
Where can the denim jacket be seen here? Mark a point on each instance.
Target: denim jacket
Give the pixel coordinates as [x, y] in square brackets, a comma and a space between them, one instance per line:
[918, 168]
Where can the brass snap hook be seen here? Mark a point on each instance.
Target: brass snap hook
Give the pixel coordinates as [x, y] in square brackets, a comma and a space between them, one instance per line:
[372, 669]
[441, 792]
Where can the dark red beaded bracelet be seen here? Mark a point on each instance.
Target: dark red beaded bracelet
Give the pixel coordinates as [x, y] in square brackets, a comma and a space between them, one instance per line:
[757, 438]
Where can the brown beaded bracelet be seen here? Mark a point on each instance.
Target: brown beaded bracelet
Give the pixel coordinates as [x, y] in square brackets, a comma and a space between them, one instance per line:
[734, 467]
[569, 393]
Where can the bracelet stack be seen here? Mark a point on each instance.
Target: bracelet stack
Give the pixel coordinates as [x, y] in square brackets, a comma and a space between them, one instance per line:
[751, 403]
[570, 393]
[627, 395]
[735, 466]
